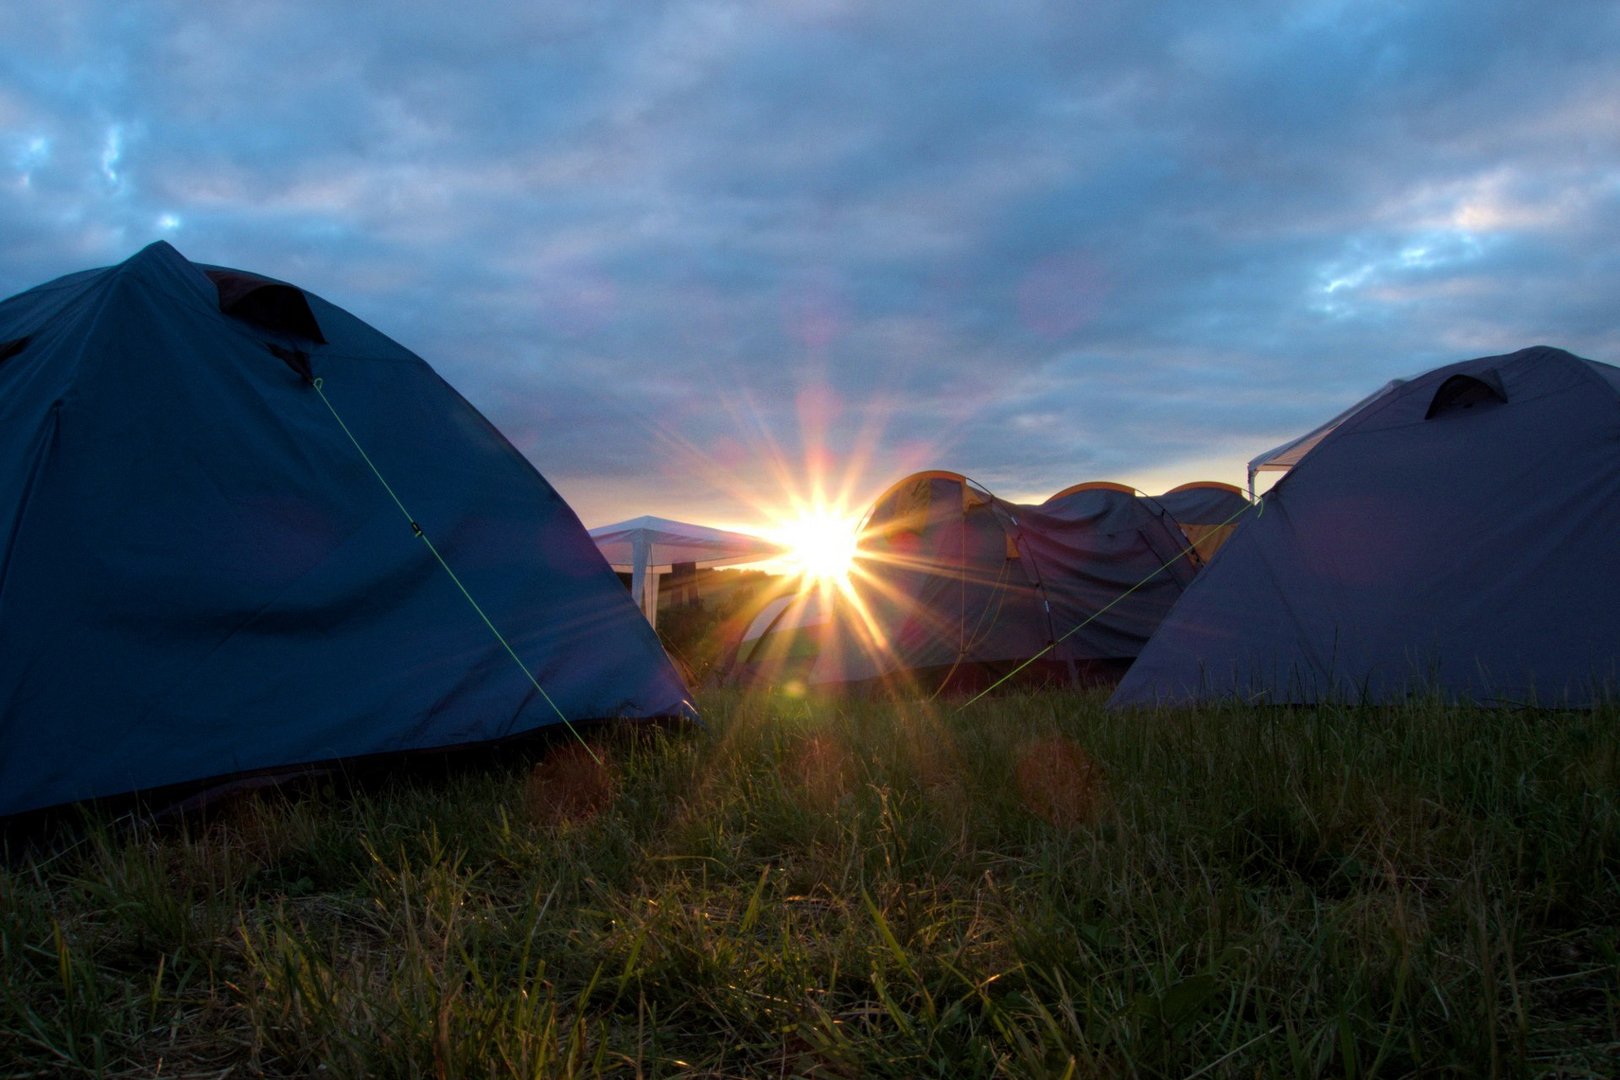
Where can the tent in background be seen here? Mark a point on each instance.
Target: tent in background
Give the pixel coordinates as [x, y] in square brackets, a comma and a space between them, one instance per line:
[646, 547]
[955, 588]
[201, 575]
[1453, 535]
[1207, 511]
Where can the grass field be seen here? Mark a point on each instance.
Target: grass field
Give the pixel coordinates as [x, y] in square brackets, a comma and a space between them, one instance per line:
[1026, 887]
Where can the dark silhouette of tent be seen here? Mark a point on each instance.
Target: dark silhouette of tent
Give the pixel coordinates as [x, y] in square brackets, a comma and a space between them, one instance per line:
[224, 503]
[956, 588]
[1452, 535]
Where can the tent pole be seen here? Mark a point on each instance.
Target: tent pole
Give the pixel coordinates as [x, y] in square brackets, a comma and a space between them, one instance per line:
[643, 579]
[649, 597]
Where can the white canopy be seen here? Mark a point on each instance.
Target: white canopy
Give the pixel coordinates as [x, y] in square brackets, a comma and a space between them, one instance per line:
[646, 546]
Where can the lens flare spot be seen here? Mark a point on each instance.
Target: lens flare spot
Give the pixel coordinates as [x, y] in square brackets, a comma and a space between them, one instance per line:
[820, 542]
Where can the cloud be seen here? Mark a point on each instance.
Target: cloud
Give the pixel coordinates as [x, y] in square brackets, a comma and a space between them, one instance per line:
[1038, 242]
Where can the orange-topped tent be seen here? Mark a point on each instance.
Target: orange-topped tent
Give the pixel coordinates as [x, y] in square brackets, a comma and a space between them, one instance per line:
[955, 588]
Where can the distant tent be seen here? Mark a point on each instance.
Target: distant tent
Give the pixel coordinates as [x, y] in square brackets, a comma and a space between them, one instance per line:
[645, 547]
[1207, 512]
[201, 576]
[956, 588]
[783, 642]
[1451, 536]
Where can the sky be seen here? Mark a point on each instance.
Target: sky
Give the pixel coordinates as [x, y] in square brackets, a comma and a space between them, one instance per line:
[698, 258]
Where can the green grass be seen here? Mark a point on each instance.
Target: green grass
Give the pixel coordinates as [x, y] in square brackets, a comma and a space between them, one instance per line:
[1028, 887]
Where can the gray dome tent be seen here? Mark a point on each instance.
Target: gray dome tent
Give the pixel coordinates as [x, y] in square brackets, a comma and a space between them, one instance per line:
[1451, 535]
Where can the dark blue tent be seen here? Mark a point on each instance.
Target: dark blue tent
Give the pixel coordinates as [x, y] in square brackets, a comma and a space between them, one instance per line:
[1453, 536]
[201, 575]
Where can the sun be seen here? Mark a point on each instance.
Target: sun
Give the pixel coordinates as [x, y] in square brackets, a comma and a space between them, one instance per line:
[820, 542]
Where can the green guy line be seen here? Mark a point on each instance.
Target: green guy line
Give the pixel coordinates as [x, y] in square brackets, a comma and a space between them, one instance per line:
[417, 530]
[1256, 505]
